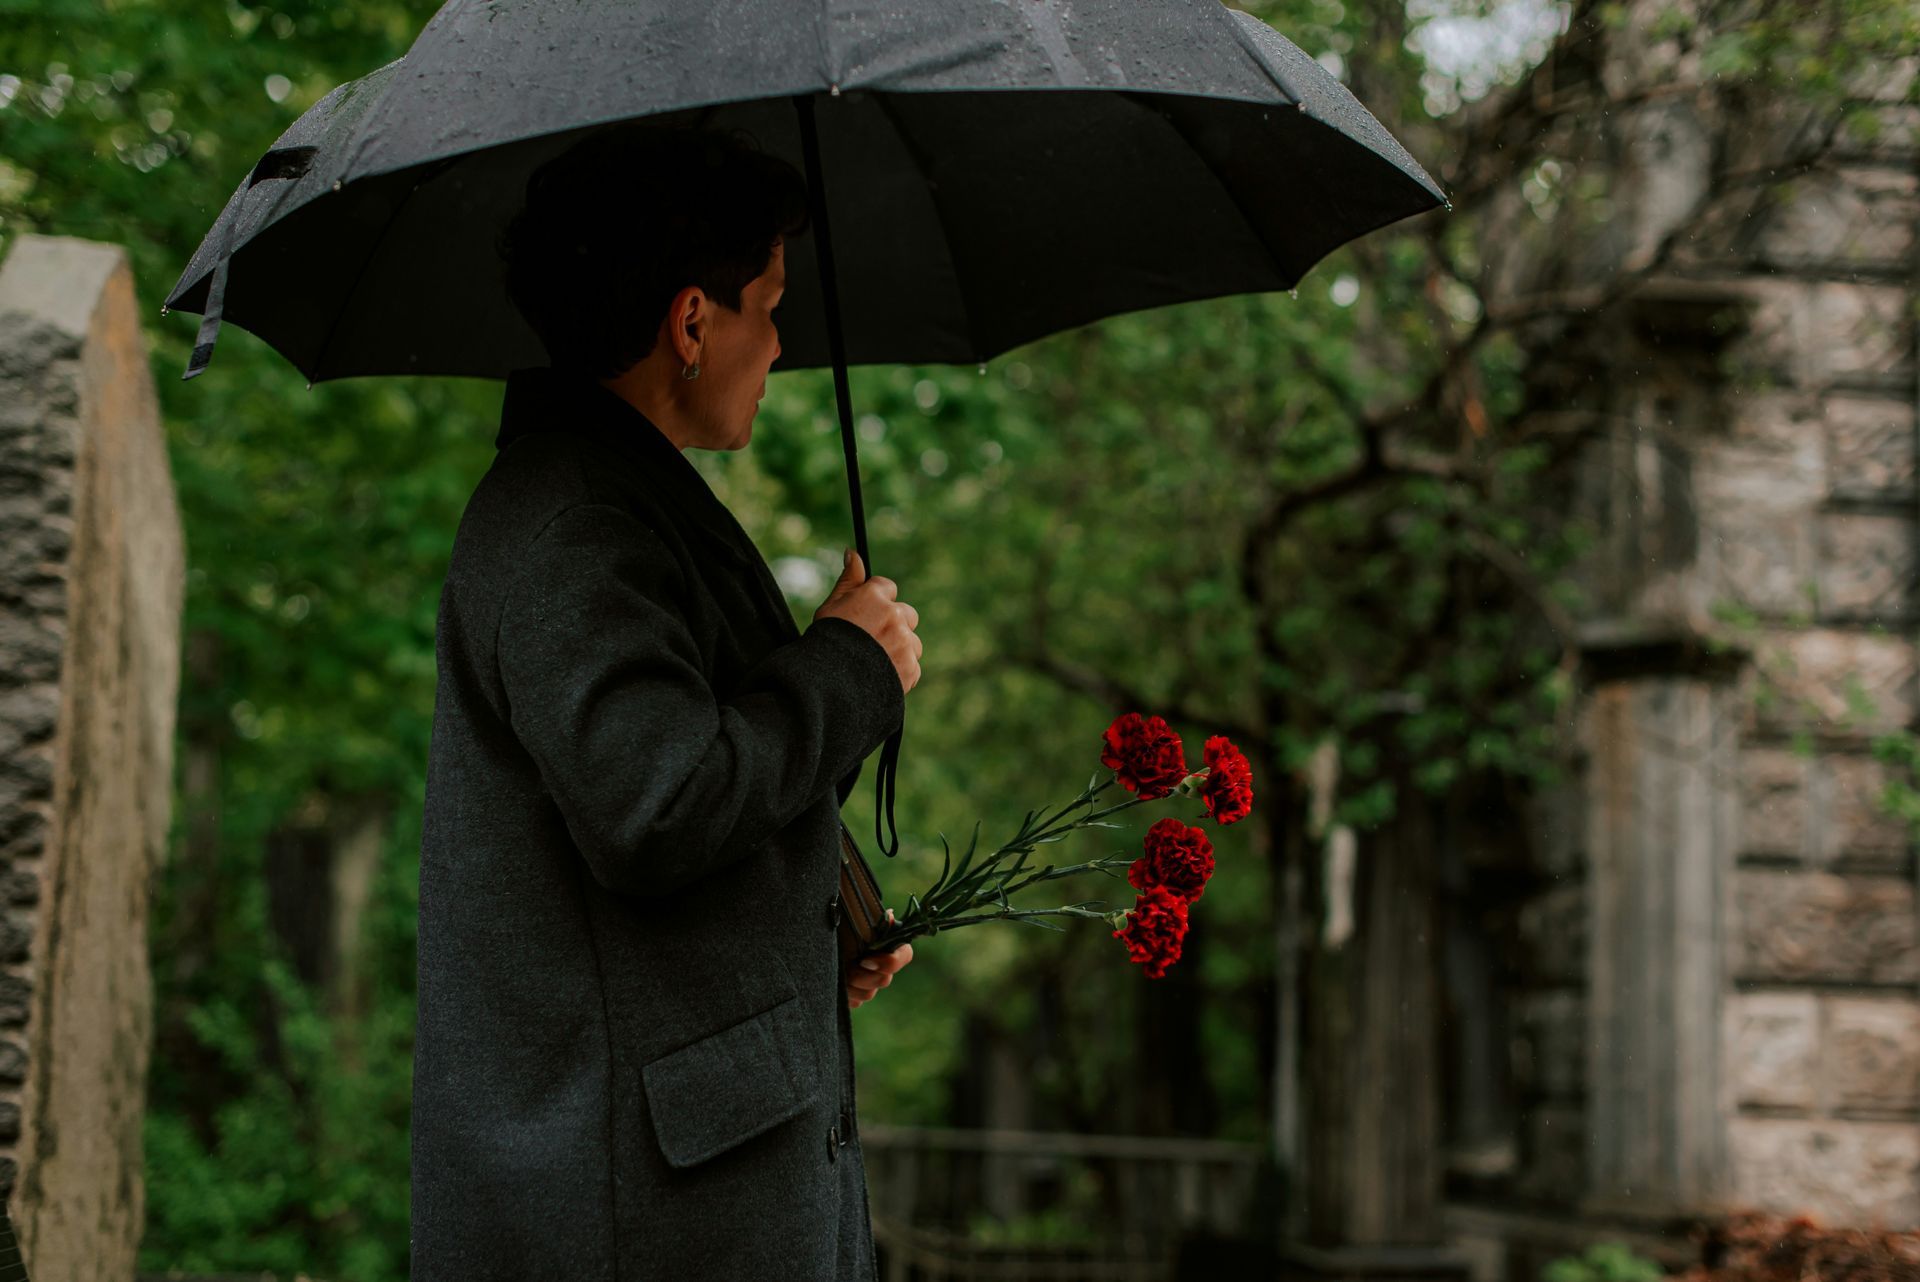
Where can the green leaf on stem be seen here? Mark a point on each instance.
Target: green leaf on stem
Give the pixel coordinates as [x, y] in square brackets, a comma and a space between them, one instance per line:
[946, 861]
[959, 873]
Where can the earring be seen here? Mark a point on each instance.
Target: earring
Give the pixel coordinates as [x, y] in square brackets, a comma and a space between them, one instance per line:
[691, 371]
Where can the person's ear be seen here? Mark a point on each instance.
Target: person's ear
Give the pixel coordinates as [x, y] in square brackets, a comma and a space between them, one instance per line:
[687, 323]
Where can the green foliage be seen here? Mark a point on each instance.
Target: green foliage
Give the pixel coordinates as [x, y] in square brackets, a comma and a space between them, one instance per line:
[317, 524]
[1052, 1227]
[1899, 751]
[1822, 61]
[303, 1155]
[1088, 493]
[1603, 1262]
[1105, 471]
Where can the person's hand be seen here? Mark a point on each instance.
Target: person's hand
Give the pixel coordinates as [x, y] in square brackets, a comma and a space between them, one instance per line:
[871, 974]
[870, 602]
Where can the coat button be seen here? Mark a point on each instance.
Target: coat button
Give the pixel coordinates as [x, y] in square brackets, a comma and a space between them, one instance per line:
[833, 912]
[833, 1143]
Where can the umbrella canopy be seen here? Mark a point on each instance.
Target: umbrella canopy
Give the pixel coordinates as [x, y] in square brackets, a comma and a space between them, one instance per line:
[1002, 171]
[1006, 171]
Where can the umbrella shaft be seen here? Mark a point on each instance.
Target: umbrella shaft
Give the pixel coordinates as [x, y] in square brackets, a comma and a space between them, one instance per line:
[830, 299]
[837, 349]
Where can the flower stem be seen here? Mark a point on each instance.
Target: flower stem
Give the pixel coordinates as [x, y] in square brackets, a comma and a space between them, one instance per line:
[893, 936]
[986, 882]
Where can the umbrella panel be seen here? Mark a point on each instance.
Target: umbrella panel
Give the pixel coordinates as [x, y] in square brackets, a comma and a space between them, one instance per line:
[967, 224]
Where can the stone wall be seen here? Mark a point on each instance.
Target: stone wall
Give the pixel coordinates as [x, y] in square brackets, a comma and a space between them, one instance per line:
[1822, 1028]
[1808, 505]
[91, 575]
[1754, 492]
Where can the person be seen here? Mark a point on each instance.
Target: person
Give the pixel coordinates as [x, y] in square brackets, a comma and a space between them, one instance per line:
[634, 1054]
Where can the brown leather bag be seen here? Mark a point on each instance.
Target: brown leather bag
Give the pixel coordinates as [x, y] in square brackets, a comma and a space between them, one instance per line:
[861, 912]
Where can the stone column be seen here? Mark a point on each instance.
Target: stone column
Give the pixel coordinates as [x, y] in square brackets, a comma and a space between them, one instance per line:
[91, 576]
[1663, 786]
[1372, 1130]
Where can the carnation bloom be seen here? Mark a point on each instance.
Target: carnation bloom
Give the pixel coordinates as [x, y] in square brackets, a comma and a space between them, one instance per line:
[1146, 754]
[1177, 856]
[1228, 790]
[1155, 930]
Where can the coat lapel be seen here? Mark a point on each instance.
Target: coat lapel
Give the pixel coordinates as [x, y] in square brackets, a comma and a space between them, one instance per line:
[542, 398]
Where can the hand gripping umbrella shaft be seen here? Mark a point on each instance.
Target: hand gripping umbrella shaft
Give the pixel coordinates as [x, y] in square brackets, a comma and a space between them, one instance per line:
[836, 346]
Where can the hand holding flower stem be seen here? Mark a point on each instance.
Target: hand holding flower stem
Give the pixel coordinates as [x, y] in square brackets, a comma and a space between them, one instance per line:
[1145, 757]
[970, 885]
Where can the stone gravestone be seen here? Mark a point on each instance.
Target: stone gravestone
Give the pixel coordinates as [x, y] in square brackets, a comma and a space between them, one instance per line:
[91, 575]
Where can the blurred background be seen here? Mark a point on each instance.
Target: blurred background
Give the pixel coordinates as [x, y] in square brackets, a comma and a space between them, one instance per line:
[1552, 560]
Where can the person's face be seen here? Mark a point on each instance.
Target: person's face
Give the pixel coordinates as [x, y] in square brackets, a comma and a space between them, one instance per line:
[735, 351]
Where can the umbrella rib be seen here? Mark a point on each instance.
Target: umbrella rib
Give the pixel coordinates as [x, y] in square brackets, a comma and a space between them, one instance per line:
[1239, 207]
[940, 215]
[360, 276]
[1236, 18]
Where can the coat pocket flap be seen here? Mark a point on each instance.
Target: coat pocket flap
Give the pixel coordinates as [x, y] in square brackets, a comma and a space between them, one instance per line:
[729, 1086]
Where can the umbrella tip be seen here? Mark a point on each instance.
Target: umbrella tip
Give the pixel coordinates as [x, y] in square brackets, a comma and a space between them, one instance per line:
[833, 91]
[336, 184]
[163, 309]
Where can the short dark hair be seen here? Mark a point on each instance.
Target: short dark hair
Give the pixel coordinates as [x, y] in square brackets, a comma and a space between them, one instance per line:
[620, 222]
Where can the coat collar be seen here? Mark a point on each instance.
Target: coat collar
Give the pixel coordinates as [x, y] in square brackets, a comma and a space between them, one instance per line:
[541, 398]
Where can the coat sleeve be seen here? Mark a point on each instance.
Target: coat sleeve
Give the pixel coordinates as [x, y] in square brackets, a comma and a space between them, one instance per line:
[845, 787]
[660, 781]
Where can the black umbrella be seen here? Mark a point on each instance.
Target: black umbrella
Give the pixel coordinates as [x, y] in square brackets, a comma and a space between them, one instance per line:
[1002, 171]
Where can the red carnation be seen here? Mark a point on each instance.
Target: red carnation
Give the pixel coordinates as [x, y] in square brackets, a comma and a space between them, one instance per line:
[1155, 930]
[1228, 790]
[1178, 857]
[1146, 753]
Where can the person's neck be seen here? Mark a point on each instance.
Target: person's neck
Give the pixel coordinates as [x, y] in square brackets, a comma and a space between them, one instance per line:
[645, 387]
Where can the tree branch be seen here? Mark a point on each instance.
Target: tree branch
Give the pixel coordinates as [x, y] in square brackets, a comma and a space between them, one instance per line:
[1122, 697]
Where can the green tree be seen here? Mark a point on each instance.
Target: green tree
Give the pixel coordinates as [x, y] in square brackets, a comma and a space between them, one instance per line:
[317, 524]
[1330, 522]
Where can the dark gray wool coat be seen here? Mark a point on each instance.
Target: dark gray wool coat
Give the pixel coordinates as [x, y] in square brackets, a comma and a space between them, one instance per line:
[634, 1058]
